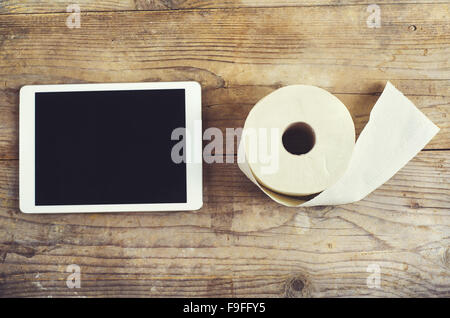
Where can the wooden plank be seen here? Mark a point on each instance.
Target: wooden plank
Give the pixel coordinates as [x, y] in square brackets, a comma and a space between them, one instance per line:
[238, 56]
[47, 6]
[240, 243]
[228, 107]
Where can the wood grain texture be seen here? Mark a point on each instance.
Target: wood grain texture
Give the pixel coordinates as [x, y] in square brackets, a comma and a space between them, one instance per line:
[240, 243]
[238, 55]
[54, 6]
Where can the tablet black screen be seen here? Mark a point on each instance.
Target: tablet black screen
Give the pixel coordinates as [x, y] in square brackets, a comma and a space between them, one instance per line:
[108, 147]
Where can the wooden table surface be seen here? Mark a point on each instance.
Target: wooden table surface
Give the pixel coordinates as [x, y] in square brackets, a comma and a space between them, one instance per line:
[240, 243]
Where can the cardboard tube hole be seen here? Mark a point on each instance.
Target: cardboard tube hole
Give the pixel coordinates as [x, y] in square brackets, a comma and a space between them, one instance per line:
[299, 138]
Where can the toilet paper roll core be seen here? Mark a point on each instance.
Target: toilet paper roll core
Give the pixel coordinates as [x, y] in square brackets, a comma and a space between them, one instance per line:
[299, 138]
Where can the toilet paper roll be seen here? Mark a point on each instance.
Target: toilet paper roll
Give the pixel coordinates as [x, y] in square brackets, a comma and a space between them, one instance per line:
[298, 140]
[327, 166]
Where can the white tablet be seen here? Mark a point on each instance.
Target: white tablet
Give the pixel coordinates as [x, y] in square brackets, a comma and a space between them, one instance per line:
[110, 147]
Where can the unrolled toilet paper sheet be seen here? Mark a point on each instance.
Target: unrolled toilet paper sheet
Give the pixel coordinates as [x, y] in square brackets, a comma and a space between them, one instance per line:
[395, 133]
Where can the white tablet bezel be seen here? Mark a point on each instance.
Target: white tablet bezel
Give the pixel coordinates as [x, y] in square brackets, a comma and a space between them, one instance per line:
[27, 148]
